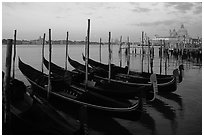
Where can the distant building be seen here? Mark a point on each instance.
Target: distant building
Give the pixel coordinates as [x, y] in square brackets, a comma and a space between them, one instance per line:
[25, 42]
[176, 39]
[195, 43]
[62, 42]
[39, 41]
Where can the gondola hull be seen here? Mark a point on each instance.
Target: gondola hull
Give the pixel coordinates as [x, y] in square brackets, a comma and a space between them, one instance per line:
[31, 116]
[75, 97]
[102, 86]
[136, 77]
[124, 84]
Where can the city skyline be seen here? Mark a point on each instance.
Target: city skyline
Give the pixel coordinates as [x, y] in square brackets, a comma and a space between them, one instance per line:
[32, 19]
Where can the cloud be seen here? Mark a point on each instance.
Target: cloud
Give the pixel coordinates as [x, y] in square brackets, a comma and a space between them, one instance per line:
[134, 3]
[183, 7]
[14, 5]
[7, 4]
[87, 13]
[139, 9]
[156, 23]
[110, 7]
[198, 8]
[59, 17]
[95, 5]
[154, 3]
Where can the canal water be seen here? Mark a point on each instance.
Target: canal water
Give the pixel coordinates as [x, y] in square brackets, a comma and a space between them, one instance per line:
[177, 113]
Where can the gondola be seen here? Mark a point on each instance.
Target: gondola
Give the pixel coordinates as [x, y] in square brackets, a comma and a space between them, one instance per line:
[164, 87]
[73, 97]
[30, 115]
[133, 76]
[99, 86]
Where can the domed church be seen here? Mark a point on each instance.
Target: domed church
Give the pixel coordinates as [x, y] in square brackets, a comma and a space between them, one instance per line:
[181, 34]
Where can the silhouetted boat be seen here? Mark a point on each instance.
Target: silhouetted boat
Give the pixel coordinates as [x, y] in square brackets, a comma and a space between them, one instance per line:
[133, 76]
[99, 86]
[72, 96]
[100, 74]
[31, 116]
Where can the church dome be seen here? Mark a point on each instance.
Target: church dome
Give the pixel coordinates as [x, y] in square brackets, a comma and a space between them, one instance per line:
[182, 31]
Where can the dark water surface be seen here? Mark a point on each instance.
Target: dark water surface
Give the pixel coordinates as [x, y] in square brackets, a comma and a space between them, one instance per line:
[176, 113]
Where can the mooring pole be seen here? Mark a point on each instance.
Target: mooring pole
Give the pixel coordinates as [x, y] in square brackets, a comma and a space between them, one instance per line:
[88, 39]
[87, 54]
[161, 57]
[109, 59]
[120, 51]
[148, 56]
[128, 60]
[151, 58]
[50, 55]
[166, 56]
[43, 46]
[166, 66]
[14, 53]
[100, 50]
[83, 108]
[6, 88]
[142, 48]
[66, 50]
[151, 65]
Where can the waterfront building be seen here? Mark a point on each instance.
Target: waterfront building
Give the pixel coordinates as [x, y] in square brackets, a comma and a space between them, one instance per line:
[39, 41]
[177, 39]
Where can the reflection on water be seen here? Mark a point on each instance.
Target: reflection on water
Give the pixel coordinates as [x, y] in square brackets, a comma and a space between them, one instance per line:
[166, 110]
[173, 113]
[173, 97]
[147, 121]
[105, 125]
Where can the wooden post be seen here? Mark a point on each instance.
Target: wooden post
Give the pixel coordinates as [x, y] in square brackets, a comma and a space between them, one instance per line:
[14, 53]
[151, 65]
[120, 51]
[50, 55]
[142, 49]
[88, 37]
[6, 88]
[128, 60]
[66, 50]
[43, 45]
[161, 58]
[87, 55]
[109, 59]
[166, 56]
[148, 56]
[166, 66]
[100, 50]
[83, 109]
[142, 42]
[86, 62]
[160, 65]
[151, 58]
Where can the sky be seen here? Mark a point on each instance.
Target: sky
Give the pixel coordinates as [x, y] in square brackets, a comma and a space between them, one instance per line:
[127, 19]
